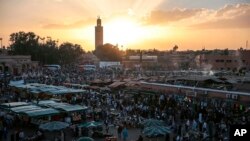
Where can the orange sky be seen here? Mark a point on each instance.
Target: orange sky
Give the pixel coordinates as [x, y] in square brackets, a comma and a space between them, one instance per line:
[135, 24]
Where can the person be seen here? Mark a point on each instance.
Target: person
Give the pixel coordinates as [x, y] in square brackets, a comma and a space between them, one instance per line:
[21, 135]
[62, 136]
[167, 137]
[194, 125]
[106, 122]
[12, 137]
[204, 126]
[178, 138]
[125, 134]
[75, 130]
[107, 129]
[17, 135]
[119, 131]
[1, 128]
[140, 138]
[5, 133]
[39, 134]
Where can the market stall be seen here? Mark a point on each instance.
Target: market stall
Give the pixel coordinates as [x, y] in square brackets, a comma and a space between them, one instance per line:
[73, 113]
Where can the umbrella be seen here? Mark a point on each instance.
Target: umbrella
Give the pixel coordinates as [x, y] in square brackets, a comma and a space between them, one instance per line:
[90, 124]
[152, 122]
[85, 139]
[54, 126]
[155, 131]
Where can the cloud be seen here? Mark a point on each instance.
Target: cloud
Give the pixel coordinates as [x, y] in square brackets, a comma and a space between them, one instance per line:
[77, 24]
[160, 16]
[240, 21]
[232, 10]
[230, 16]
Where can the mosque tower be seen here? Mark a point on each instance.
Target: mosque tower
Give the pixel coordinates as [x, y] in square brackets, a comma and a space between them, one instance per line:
[98, 33]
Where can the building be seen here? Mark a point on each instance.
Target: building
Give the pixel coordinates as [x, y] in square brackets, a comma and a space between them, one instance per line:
[15, 64]
[234, 61]
[109, 64]
[140, 61]
[181, 60]
[98, 33]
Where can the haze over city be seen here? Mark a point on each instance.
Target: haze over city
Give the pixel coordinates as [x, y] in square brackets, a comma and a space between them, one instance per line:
[134, 24]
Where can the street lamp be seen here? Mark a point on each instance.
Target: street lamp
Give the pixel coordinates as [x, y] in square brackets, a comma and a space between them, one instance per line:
[1, 42]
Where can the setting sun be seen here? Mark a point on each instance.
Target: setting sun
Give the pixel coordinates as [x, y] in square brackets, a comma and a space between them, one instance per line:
[123, 31]
[127, 31]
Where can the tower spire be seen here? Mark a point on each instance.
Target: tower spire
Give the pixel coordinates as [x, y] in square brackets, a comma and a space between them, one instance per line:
[98, 33]
[99, 21]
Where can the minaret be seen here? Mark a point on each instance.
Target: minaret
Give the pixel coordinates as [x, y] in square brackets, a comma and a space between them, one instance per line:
[98, 33]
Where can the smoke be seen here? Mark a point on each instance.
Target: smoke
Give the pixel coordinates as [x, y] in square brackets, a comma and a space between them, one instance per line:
[211, 73]
[207, 69]
[239, 60]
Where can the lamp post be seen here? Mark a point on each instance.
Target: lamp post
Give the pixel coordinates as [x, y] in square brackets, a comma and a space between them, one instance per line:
[1, 39]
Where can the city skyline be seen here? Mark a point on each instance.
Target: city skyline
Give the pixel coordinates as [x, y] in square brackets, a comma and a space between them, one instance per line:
[134, 24]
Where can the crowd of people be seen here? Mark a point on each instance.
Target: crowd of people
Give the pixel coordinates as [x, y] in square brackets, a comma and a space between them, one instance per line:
[68, 74]
[190, 118]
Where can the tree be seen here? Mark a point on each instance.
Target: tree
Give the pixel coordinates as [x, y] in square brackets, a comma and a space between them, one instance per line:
[69, 52]
[175, 48]
[47, 51]
[24, 43]
[108, 52]
[226, 51]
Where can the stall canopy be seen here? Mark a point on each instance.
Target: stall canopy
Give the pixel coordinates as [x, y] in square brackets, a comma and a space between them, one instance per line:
[36, 88]
[75, 86]
[33, 110]
[24, 108]
[13, 104]
[41, 108]
[41, 112]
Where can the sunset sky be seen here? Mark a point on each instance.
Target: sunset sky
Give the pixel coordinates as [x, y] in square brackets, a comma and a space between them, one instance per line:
[134, 24]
